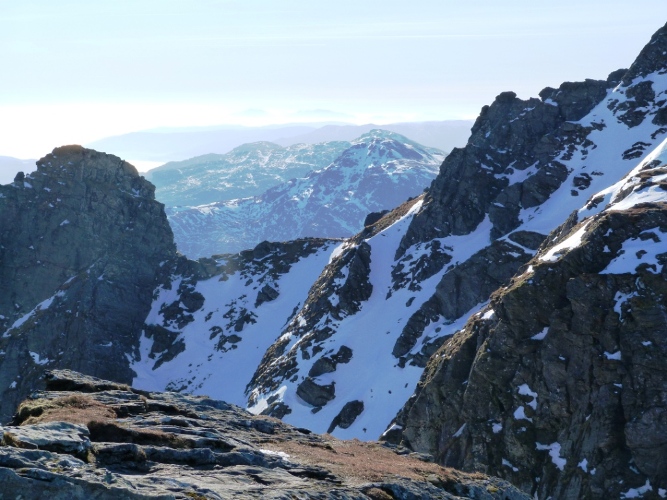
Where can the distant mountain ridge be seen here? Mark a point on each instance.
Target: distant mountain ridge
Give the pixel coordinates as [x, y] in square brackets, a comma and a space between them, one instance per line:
[168, 145]
[247, 170]
[376, 172]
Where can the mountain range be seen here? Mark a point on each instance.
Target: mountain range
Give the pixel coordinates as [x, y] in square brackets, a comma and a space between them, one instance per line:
[510, 320]
[248, 170]
[374, 173]
[180, 144]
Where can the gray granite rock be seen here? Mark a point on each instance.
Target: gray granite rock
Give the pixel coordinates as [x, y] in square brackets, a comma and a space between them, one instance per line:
[186, 447]
[82, 244]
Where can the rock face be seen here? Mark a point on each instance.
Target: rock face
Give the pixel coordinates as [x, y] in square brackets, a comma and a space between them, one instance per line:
[513, 161]
[81, 243]
[560, 385]
[86, 438]
[378, 171]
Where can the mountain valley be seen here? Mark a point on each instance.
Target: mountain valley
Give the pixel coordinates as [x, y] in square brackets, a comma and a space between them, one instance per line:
[510, 320]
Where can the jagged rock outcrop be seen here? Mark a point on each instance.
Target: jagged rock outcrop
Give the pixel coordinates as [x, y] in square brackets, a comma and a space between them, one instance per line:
[559, 385]
[513, 161]
[82, 240]
[86, 438]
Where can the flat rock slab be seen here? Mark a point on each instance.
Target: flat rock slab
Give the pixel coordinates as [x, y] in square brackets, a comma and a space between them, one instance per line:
[54, 436]
[174, 446]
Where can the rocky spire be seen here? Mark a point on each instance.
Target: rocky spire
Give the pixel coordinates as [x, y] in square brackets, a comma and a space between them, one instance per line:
[81, 242]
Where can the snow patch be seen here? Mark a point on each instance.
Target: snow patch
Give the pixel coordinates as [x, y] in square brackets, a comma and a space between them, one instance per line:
[636, 252]
[524, 390]
[540, 335]
[520, 414]
[554, 452]
[507, 463]
[36, 358]
[571, 242]
[638, 492]
[460, 431]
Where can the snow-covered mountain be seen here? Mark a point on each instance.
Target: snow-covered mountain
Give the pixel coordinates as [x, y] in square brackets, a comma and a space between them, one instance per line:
[509, 320]
[377, 172]
[248, 170]
[415, 284]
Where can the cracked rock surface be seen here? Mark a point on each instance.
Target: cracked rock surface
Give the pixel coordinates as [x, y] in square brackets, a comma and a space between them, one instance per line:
[87, 438]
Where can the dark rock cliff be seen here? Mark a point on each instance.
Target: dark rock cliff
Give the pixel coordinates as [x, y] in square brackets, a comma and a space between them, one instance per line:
[557, 385]
[560, 387]
[82, 240]
[509, 137]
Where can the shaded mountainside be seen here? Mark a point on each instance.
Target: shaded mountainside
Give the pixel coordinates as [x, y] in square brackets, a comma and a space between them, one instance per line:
[89, 438]
[569, 400]
[81, 242]
[247, 170]
[377, 172]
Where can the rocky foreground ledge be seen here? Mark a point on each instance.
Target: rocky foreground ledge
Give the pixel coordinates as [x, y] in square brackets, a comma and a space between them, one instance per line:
[86, 438]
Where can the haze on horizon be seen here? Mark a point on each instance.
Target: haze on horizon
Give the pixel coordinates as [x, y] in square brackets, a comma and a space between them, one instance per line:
[76, 71]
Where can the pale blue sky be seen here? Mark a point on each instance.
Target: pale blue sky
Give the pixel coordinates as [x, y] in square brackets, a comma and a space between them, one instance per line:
[75, 71]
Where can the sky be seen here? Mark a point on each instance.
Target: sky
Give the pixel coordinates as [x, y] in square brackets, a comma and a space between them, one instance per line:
[76, 71]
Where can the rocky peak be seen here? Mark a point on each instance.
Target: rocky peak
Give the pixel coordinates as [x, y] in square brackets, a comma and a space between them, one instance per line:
[651, 59]
[576, 99]
[509, 162]
[80, 163]
[382, 146]
[557, 385]
[391, 145]
[81, 243]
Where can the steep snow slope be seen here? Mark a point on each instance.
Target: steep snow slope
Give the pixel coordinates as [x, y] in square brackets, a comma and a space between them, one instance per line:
[248, 170]
[377, 172]
[226, 319]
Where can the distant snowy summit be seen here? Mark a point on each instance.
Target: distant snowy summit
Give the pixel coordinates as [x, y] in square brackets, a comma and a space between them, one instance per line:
[376, 172]
[248, 170]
